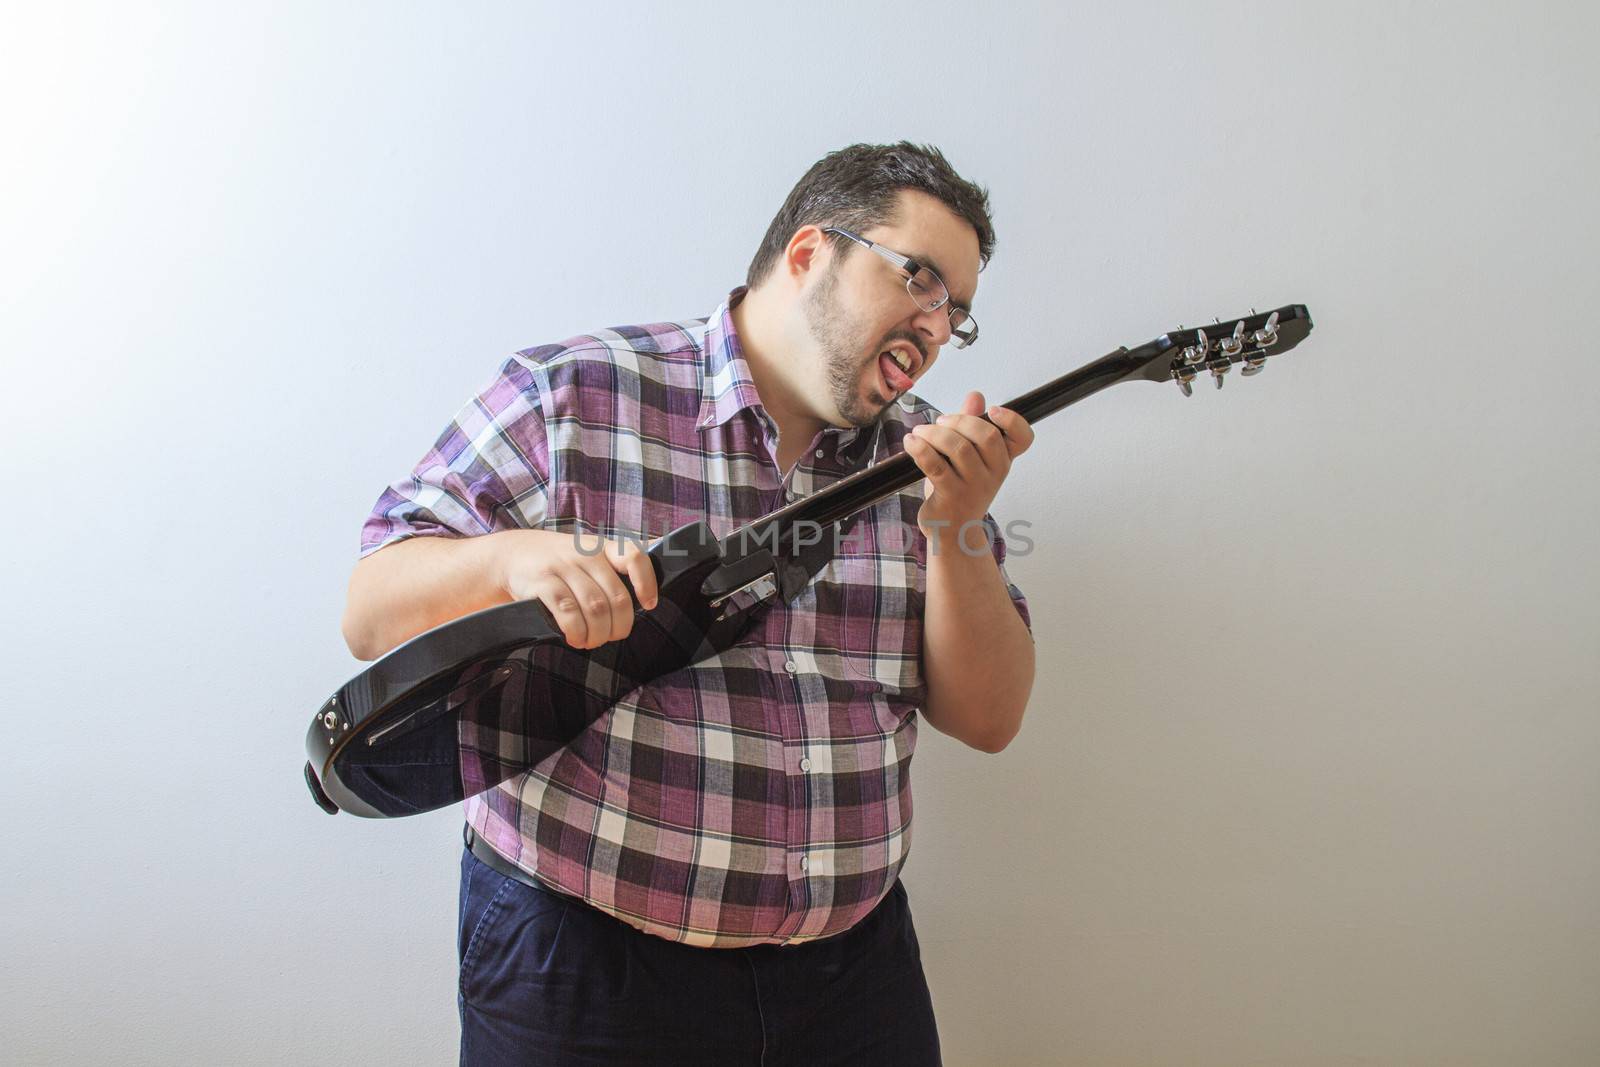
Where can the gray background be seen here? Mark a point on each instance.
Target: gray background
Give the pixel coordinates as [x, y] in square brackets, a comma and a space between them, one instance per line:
[1309, 774]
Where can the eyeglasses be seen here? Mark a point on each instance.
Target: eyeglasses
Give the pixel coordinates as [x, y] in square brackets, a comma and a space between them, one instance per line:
[927, 289]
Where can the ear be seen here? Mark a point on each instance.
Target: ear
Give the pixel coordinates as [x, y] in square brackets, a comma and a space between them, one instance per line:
[807, 251]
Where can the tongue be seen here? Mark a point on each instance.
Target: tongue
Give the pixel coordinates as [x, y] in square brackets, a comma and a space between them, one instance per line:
[893, 374]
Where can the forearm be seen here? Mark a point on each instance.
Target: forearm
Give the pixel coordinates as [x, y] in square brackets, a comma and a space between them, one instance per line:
[414, 585]
[977, 653]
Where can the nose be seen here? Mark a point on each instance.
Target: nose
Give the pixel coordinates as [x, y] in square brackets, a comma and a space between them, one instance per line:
[935, 325]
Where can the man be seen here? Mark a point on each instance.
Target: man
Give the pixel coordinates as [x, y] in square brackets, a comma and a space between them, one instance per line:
[709, 874]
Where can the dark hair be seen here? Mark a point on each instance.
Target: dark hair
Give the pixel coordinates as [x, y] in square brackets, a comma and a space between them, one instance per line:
[857, 188]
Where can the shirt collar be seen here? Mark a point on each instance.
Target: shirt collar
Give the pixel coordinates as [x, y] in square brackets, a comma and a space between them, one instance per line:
[726, 387]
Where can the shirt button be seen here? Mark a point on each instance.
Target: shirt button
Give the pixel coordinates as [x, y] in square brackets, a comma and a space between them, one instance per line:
[789, 666]
[803, 863]
[805, 763]
[819, 453]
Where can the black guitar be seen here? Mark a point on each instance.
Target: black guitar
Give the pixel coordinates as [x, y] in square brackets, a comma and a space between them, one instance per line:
[472, 702]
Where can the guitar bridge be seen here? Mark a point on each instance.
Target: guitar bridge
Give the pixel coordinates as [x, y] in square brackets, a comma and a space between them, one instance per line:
[737, 601]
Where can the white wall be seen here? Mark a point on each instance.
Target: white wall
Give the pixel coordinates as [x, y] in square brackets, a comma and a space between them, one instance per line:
[1309, 776]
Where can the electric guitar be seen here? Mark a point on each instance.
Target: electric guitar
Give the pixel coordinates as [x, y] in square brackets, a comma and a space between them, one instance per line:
[470, 703]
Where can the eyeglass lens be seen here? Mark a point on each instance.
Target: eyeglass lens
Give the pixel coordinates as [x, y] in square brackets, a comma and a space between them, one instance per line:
[930, 294]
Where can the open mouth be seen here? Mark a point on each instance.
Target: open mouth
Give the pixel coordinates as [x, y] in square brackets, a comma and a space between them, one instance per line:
[896, 366]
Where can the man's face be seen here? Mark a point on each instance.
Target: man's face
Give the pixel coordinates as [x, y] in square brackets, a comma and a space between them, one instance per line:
[858, 309]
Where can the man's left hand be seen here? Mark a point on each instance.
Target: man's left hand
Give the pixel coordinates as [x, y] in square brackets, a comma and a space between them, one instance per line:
[965, 459]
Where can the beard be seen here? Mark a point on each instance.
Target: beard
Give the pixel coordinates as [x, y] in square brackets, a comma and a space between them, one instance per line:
[842, 340]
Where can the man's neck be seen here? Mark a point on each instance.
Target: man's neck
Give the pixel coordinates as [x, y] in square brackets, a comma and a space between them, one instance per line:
[779, 377]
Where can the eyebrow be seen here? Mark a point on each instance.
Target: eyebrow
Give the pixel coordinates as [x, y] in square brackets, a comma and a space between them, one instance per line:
[930, 264]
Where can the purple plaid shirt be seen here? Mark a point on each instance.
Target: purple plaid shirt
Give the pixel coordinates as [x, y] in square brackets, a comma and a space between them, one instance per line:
[762, 795]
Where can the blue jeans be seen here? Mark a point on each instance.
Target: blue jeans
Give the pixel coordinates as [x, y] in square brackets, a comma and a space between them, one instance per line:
[546, 979]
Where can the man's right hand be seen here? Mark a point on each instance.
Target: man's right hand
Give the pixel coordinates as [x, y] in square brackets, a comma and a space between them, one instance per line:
[582, 589]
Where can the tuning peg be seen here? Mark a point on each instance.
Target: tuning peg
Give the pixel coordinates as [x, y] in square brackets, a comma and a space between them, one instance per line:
[1195, 354]
[1232, 346]
[1253, 365]
[1183, 376]
[1268, 334]
[1218, 370]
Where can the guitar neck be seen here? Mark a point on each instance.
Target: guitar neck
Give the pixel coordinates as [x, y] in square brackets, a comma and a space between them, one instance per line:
[867, 487]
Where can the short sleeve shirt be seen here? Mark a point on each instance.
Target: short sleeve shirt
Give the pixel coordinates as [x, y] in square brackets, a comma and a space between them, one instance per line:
[759, 796]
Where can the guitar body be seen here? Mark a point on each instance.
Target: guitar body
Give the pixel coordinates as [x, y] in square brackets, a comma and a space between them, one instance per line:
[428, 724]
[470, 703]
[466, 705]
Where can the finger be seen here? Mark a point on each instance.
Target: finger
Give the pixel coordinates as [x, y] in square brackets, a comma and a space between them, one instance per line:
[635, 563]
[618, 619]
[962, 455]
[987, 438]
[929, 462]
[1018, 433]
[972, 403]
[553, 592]
[594, 600]
[964, 460]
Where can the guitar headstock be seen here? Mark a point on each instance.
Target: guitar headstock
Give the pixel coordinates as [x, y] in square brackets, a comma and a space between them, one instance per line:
[1184, 354]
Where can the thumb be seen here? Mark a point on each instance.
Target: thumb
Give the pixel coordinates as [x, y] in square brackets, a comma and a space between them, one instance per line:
[973, 404]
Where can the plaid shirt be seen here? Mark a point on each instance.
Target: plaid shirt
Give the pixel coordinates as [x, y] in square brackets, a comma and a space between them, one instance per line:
[762, 795]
